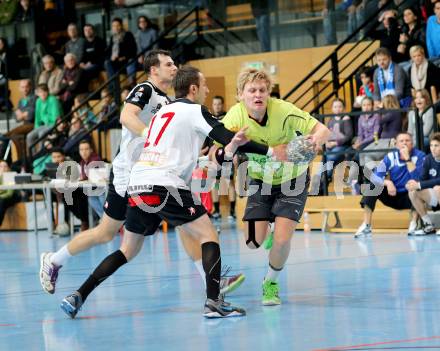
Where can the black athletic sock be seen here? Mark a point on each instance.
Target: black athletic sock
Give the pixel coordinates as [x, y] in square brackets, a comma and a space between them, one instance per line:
[212, 265]
[232, 208]
[106, 268]
[217, 207]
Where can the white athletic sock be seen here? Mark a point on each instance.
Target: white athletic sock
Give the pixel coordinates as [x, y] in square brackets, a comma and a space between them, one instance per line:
[199, 266]
[272, 274]
[61, 256]
[426, 219]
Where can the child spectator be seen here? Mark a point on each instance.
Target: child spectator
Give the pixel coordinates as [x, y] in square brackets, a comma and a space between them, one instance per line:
[422, 101]
[367, 87]
[341, 134]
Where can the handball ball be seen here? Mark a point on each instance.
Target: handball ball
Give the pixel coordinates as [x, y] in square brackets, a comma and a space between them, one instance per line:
[300, 151]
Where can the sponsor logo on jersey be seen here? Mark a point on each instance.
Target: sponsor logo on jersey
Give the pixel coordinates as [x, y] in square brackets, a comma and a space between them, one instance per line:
[433, 172]
[192, 211]
[157, 108]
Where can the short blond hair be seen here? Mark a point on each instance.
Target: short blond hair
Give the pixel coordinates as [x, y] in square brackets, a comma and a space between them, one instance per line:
[416, 48]
[249, 75]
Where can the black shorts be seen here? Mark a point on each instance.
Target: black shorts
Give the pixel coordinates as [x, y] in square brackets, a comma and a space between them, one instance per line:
[399, 202]
[278, 203]
[147, 209]
[115, 206]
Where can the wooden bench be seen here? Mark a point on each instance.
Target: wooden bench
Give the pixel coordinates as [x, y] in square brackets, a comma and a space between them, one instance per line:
[348, 215]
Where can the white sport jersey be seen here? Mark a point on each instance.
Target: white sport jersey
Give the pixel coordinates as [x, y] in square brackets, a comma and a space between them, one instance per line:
[175, 137]
[150, 99]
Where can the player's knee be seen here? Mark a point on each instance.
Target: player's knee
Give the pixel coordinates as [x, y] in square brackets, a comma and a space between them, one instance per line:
[412, 194]
[281, 240]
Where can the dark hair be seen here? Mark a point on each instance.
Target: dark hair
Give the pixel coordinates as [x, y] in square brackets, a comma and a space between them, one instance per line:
[43, 86]
[117, 19]
[383, 51]
[146, 20]
[58, 150]
[86, 141]
[219, 98]
[89, 25]
[151, 58]
[435, 136]
[366, 70]
[275, 94]
[185, 77]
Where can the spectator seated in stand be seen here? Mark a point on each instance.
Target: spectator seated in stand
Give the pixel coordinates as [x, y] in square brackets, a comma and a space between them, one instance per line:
[368, 128]
[77, 132]
[401, 166]
[73, 82]
[94, 51]
[390, 125]
[422, 101]
[433, 35]
[412, 33]
[367, 87]
[79, 198]
[7, 197]
[51, 75]
[390, 35]
[108, 112]
[47, 110]
[56, 139]
[341, 129]
[24, 115]
[76, 44]
[423, 73]
[390, 79]
[84, 112]
[87, 157]
[120, 51]
[25, 12]
[145, 37]
[426, 192]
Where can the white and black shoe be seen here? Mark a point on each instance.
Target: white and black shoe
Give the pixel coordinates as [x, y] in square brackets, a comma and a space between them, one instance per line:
[221, 309]
[363, 231]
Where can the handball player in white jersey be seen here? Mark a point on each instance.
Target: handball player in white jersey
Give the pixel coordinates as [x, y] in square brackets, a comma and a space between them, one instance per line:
[141, 104]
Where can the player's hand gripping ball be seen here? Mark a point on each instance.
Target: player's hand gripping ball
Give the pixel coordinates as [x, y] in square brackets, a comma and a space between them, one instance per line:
[300, 151]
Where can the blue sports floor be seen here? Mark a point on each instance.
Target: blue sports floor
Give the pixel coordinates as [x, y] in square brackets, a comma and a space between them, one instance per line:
[338, 294]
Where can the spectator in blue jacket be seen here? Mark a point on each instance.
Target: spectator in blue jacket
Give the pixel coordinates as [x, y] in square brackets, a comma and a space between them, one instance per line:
[401, 165]
[426, 192]
[433, 34]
